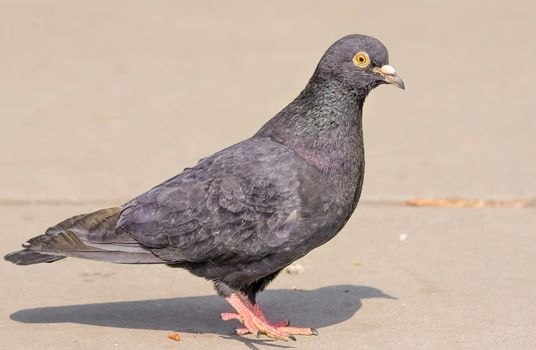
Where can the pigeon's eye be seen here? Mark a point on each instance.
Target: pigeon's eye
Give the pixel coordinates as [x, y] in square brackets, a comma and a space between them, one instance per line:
[361, 59]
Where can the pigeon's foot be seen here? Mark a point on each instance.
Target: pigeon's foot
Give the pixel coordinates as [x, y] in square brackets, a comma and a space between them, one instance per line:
[226, 316]
[252, 317]
[290, 331]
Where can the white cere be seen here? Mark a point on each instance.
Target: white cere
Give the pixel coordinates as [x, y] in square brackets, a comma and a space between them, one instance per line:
[387, 69]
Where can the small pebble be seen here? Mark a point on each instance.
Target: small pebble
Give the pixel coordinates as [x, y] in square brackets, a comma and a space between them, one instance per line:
[402, 237]
[294, 269]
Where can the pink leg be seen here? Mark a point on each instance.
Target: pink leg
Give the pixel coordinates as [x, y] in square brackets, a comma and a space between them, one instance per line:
[252, 317]
[258, 312]
[226, 316]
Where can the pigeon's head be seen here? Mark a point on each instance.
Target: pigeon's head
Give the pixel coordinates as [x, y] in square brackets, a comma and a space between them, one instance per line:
[358, 62]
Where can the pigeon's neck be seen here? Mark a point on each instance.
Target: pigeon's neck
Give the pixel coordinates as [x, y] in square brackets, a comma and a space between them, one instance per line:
[323, 125]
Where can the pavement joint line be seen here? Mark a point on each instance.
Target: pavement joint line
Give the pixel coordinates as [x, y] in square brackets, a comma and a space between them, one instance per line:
[431, 202]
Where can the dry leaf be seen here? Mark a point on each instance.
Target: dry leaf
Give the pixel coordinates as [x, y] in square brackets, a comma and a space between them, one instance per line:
[174, 336]
[464, 203]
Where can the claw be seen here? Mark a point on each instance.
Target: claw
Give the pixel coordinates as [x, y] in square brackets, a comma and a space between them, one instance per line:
[314, 331]
[292, 337]
[242, 331]
[282, 323]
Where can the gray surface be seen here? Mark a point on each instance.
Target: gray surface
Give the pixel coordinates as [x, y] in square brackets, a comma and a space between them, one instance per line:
[79, 80]
[463, 278]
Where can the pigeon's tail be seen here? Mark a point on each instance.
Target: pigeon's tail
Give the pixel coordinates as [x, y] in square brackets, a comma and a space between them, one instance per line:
[27, 257]
[92, 236]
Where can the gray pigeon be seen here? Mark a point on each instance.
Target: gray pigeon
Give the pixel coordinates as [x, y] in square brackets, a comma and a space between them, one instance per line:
[240, 216]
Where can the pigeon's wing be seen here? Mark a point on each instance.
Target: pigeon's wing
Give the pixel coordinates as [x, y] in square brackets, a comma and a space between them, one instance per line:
[239, 205]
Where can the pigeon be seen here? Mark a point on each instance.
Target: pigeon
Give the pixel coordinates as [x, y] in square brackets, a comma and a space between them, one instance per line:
[243, 214]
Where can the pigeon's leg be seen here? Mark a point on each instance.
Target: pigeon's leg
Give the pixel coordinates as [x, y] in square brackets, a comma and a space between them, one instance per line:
[226, 316]
[255, 322]
[252, 322]
[258, 312]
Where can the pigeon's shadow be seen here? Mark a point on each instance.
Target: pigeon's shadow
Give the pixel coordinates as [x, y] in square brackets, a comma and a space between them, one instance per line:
[315, 308]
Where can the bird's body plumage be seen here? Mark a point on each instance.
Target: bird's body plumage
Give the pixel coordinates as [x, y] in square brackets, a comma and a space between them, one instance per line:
[241, 215]
[250, 210]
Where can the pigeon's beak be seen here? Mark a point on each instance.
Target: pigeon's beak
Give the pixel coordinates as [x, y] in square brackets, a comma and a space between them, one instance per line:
[389, 75]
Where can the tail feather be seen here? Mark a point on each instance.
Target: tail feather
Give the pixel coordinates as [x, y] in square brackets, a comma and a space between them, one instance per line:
[92, 236]
[27, 257]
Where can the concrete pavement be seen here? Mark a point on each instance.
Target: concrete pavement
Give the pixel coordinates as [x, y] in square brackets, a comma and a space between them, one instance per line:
[461, 279]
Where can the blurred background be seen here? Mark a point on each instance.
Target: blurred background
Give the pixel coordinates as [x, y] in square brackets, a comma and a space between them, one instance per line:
[101, 100]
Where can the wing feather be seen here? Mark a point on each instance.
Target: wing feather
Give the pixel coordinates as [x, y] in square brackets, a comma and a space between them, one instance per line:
[239, 205]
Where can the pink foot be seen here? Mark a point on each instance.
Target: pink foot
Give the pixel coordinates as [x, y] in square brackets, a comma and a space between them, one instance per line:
[252, 317]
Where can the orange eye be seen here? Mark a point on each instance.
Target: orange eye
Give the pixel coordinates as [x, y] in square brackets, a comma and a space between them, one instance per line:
[361, 59]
